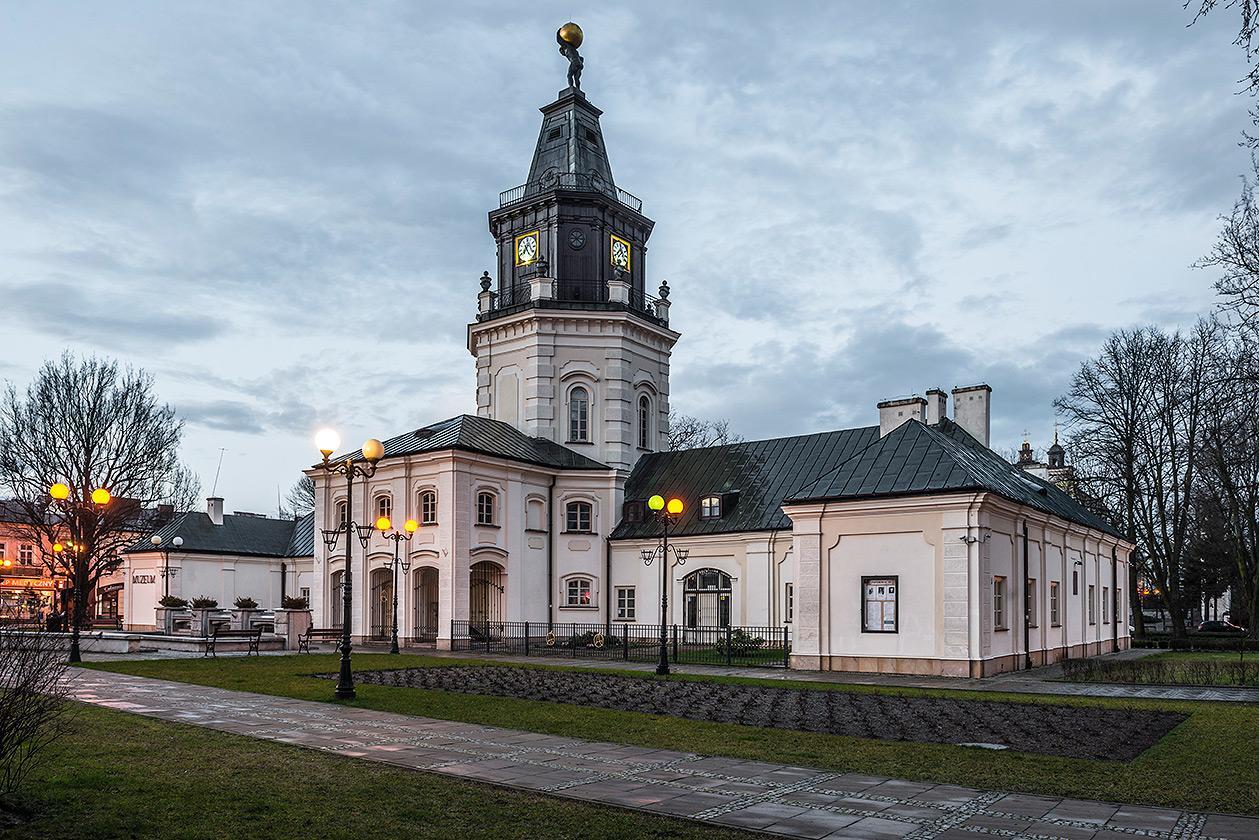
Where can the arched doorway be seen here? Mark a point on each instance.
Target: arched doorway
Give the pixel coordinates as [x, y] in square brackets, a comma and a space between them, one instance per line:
[381, 604]
[707, 598]
[487, 585]
[337, 597]
[424, 620]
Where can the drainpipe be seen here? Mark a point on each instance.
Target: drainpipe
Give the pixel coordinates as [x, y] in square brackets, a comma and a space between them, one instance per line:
[550, 555]
[1027, 615]
[607, 585]
[284, 579]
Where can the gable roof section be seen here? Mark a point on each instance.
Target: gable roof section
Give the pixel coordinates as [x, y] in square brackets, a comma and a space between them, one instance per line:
[484, 436]
[915, 459]
[302, 543]
[762, 472]
[246, 535]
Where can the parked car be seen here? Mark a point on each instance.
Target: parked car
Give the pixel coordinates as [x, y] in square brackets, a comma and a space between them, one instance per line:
[1219, 627]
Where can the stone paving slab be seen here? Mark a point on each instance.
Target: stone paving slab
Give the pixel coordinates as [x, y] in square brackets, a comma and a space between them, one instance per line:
[758, 796]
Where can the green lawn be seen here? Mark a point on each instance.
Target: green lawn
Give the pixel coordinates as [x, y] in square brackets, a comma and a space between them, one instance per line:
[1207, 763]
[1195, 668]
[120, 775]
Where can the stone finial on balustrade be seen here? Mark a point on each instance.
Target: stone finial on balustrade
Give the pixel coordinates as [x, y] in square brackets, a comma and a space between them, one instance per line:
[662, 305]
[541, 284]
[618, 287]
[485, 300]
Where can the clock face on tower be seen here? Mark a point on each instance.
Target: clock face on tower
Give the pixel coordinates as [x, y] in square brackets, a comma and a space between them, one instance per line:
[620, 253]
[527, 248]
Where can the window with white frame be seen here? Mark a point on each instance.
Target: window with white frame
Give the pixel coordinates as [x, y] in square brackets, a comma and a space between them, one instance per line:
[384, 506]
[998, 603]
[1092, 604]
[428, 507]
[486, 502]
[342, 514]
[644, 422]
[578, 592]
[1033, 617]
[535, 515]
[1105, 605]
[789, 602]
[625, 597]
[1055, 618]
[710, 507]
[1120, 609]
[305, 593]
[578, 517]
[579, 415]
[879, 609]
[26, 554]
[4, 551]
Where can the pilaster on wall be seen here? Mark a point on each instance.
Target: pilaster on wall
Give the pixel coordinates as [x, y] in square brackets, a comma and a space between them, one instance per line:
[484, 386]
[618, 429]
[956, 594]
[809, 595]
[540, 390]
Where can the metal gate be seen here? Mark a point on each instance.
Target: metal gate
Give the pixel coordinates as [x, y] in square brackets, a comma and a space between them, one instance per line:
[382, 604]
[485, 598]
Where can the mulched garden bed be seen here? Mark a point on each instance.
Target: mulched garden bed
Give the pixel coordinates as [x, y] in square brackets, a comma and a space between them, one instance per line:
[1112, 734]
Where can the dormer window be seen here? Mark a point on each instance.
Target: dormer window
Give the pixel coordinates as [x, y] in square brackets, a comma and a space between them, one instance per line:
[710, 507]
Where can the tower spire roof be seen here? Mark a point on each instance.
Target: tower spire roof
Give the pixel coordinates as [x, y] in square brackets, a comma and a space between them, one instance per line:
[570, 152]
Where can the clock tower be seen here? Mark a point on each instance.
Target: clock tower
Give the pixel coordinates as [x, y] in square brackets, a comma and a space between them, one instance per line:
[569, 344]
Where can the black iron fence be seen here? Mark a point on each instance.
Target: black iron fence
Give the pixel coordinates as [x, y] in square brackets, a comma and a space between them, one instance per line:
[767, 647]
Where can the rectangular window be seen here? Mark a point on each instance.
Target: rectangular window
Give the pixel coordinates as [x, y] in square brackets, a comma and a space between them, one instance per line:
[577, 519]
[485, 509]
[625, 603]
[710, 507]
[1054, 616]
[1092, 605]
[1032, 620]
[26, 554]
[1075, 581]
[3, 551]
[998, 603]
[1120, 608]
[789, 601]
[878, 604]
[305, 590]
[428, 508]
[1105, 605]
[577, 593]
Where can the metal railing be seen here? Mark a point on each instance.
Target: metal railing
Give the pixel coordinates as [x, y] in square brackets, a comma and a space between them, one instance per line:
[576, 181]
[572, 293]
[768, 647]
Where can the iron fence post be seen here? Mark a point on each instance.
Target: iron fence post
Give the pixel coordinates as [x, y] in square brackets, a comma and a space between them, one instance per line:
[526, 638]
[675, 643]
[625, 634]
[729, 643]
[786, 648]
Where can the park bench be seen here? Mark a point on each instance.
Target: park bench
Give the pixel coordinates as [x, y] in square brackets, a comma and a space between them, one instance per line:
[220, 632]
[319, 634]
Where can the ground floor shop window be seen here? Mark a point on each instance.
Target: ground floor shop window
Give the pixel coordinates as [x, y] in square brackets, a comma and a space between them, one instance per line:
[879, 605]
[625, 598]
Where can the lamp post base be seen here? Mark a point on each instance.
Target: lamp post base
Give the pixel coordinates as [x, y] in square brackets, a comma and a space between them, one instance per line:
[344, 693]
[662, 669]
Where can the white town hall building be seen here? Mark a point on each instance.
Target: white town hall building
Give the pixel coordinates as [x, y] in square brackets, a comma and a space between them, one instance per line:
[903, 547]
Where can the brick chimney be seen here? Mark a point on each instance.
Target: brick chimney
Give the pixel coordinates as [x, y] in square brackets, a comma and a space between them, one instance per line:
[214, 507]
[895, 413]
[971, 411]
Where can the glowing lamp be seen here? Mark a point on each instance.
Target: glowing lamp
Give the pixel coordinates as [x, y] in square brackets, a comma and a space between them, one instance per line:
[177, 542]
[57, 548]
[383, 523]
[328, 441]
[59, 491]
[656, 503]
[675, 507]
[155, 540]
[7, 562]
[100, 496]
[411, 526]
[373, 450]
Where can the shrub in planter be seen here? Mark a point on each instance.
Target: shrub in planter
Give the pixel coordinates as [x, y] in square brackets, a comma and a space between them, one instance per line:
[741, 642]
[588, 640]
[244, 602]
[173, 602]
[290, 602]
[201, 602]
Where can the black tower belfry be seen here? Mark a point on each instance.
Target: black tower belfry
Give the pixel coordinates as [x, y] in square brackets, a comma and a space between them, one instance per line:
[569, 237]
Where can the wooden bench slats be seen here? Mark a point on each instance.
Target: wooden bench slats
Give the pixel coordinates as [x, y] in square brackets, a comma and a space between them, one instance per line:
[323, 634]
[254, 636]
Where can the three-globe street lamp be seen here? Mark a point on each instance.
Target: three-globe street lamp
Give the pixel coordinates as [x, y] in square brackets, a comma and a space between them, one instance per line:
[408, 531]
[77, 510]
[665, 512]
[373, 450]
[166, 571]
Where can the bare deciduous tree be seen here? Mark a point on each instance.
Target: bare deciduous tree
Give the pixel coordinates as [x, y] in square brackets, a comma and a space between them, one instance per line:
[1235, 254]
[87, 424]
[32, 692]
[301, 496]
[687, 432]
[1247, 30]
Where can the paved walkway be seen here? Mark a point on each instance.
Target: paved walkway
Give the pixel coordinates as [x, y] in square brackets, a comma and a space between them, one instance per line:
[790, 801]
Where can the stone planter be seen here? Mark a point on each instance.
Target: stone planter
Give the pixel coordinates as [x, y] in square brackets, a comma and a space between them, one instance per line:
[240, 617]
[203, 619]
[290, 624]
[164, 621]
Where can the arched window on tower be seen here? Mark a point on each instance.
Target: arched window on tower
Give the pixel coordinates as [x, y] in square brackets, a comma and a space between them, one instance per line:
[579, 415]
[644, 422]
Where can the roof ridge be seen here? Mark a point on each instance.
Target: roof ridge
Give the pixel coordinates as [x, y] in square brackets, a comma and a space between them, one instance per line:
[764, 440]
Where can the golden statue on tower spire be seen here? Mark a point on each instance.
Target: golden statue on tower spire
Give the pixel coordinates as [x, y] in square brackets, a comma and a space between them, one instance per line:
[569, 38]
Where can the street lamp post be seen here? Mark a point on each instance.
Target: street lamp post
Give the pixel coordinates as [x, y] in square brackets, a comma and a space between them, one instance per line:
[77, 511]
[373, 450]
[665, 512]
[167, 571]
[408, 530]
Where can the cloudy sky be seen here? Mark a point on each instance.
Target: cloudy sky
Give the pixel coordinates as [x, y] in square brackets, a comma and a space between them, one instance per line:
[279, 209]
